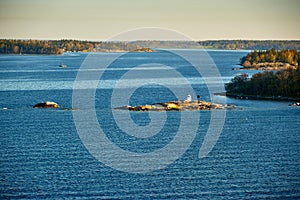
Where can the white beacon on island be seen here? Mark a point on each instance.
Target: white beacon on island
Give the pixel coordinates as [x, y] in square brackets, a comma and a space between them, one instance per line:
[189, 98]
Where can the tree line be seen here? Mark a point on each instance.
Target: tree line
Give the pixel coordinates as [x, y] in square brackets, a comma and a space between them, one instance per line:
[283, 83]
[223, 44]
[28, 47]
[291, 57]
[10, 46]
[251, 44]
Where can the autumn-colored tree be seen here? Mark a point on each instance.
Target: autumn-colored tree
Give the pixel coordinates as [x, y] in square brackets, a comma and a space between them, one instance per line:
[284, 56]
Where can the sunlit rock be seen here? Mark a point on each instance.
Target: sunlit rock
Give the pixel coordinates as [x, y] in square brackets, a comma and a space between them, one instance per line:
[182, 105]
[47, 104]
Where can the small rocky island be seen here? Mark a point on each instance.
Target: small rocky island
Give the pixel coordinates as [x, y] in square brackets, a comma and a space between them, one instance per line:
[144, 50]
[181, 105]
[47, 104]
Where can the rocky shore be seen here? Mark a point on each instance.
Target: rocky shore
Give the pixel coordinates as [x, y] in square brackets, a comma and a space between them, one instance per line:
[295, 104]
[264, 66]
[258, 97]
[181, 105]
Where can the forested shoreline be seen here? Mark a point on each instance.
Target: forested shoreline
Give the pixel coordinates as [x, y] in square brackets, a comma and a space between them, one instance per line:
[271, 58]
[280, 85]
[21, 46]
[60, 46]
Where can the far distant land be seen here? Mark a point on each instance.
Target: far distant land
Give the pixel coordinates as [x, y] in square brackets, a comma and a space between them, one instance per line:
[17, 46]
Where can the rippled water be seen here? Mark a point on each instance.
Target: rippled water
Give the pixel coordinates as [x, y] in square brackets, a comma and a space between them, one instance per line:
[42, 155]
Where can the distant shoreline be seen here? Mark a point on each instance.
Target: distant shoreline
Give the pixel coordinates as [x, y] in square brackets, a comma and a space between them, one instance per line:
[52, 47]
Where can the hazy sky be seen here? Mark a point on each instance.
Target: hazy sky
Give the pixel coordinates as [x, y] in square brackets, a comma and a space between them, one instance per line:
[102, 19]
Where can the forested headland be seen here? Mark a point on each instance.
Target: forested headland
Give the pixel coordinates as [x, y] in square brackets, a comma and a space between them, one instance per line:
[10, 46]
[280, 85]
[17, 46]
[271, 59]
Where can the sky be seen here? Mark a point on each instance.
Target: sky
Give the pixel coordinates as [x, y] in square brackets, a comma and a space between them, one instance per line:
[104, 19]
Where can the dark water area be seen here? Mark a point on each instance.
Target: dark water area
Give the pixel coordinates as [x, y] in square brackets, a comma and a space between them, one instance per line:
[43, 157]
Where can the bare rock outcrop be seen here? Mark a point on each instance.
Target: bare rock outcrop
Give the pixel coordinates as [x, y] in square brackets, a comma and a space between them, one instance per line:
[181, 105]
[47, 104]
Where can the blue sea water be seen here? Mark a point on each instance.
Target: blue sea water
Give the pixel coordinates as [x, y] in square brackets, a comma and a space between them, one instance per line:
[43, 157]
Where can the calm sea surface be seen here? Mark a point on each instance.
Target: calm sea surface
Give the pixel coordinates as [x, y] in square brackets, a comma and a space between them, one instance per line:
[257, 155]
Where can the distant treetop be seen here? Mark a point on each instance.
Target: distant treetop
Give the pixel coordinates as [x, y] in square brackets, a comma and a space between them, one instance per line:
[223, 44]
[251, 44]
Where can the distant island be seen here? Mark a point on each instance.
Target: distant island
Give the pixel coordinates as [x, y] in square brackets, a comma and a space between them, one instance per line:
[181, 105]
[271, 59]
[21, 46]
[143, 50]
[270, 85]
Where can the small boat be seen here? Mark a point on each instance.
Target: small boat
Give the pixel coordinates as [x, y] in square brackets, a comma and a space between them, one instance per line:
[63, 66]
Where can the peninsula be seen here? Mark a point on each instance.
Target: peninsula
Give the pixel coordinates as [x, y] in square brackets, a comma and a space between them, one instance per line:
[13, 46]
[269, 85]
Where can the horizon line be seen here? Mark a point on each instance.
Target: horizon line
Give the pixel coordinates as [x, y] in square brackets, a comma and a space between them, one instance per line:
[171, 40]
